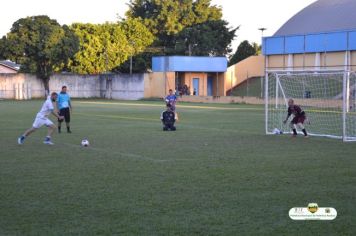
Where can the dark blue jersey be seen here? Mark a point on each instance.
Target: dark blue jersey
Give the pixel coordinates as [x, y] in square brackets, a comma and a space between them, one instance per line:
[171, 99]
[168, 117]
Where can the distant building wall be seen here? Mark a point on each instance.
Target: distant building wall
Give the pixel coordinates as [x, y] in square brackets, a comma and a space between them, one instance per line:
[18, 86]
[188, 80]
[157, 84]
[311, 51]
[250, 67]
[312, 61]
[7, 70]
[25, 86]
[127, 87]
[222, 99]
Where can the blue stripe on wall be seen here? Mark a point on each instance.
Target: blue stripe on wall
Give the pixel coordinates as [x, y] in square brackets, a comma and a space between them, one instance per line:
[311, 43]
[189, 64]
[294, 44]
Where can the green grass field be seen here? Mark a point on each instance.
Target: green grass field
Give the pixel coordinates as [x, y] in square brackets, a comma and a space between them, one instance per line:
[217, 175]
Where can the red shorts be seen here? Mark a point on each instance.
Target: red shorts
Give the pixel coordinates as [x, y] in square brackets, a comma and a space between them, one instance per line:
[298, 119]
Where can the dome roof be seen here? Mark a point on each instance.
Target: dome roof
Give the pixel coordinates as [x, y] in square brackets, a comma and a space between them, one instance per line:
[322, 16]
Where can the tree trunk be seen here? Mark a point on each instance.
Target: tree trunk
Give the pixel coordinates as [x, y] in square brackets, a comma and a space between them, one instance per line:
[46, 86]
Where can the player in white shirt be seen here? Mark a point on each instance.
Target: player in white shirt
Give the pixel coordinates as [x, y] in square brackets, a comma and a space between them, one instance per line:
[42, 119]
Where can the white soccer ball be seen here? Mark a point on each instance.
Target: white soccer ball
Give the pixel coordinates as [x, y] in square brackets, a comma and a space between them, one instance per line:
[277, 131]
[85, 143]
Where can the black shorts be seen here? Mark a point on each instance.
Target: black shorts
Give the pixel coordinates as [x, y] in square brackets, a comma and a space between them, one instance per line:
[169, 126]
[66, 113]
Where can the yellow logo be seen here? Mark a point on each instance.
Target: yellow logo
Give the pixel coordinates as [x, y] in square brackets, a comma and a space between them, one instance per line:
[312, 207]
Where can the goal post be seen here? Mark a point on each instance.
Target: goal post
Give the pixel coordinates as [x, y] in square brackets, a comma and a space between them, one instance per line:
[327, 97]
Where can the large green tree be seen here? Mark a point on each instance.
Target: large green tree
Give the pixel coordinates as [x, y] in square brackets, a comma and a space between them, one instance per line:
[181, 27]
[106, 46]
[211, 38]
[2, 47]
[244, 50]
[168, 17]
[40, 45]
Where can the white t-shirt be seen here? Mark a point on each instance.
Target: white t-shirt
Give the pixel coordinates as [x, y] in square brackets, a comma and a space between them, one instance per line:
[46, 109]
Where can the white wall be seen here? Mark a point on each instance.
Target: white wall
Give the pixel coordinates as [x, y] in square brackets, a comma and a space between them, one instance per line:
[115, 86]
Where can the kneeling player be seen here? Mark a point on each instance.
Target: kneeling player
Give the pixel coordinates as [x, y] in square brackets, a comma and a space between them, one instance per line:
[298, 119]
[168, 118]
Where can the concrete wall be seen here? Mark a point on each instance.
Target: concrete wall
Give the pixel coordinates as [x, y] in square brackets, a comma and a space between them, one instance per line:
[313, 61]
[156, 85]
[5, 69]
[20, 86]
[111, 86]
[250, 67]
[222, 99]
[188, 80]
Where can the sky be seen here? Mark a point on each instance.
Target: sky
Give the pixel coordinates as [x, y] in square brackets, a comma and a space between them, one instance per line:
[250, 15]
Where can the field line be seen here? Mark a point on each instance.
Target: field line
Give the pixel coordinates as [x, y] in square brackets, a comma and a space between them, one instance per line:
[125, 154]
[118, 117]
[180, 106]
[183, 125]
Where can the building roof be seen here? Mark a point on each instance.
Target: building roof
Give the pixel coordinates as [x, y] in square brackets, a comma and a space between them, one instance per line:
[189, 64]
[321, 16]
[10, 64]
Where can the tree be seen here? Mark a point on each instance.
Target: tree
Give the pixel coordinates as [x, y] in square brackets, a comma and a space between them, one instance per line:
[104, 47]
[211, 38]
[169, 17]
[137, 34]
[2, 48]
[40, 45]
[257, 47]
[244, 50]
[176, 23]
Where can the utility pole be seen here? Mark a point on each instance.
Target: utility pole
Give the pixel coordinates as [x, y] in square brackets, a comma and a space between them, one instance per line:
[262, 29]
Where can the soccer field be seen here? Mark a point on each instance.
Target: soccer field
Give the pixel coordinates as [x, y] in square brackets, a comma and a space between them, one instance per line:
[218, 174]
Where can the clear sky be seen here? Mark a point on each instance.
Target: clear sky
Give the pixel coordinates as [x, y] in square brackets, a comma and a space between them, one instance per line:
[249, 14]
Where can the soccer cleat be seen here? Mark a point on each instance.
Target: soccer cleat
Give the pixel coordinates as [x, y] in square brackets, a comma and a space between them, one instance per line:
[48, 142]
[21, 140]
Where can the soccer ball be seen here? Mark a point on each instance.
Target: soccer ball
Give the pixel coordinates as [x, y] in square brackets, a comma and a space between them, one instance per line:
[277, 131]
[85, 143]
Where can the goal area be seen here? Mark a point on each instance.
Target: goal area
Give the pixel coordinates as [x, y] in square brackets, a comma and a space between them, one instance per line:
[327, 97]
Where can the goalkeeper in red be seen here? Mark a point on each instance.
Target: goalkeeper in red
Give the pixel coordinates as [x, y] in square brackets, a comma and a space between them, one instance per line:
[298, 118]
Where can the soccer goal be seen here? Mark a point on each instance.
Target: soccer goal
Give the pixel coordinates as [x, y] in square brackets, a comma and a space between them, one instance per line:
[327, 97]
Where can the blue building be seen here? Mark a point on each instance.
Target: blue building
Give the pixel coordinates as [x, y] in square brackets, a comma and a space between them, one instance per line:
[321, 36]
[201, 76]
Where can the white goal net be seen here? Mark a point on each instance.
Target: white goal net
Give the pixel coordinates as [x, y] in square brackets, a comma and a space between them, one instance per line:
[327, 97]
